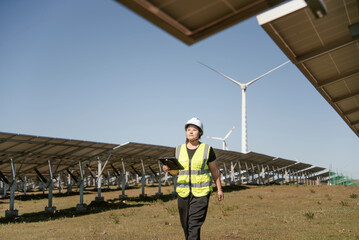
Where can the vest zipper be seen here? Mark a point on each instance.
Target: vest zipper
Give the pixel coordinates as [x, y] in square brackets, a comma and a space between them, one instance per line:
[189, 167]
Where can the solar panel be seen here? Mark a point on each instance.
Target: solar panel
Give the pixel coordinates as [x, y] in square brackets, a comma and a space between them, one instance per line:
[33, 151]
[191, 21]
[323, 50]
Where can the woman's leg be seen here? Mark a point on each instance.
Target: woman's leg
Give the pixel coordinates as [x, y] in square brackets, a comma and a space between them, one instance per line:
[198, 207]
[183, 207]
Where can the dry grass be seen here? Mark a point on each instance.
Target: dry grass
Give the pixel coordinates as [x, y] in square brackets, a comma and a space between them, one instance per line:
[254, 212]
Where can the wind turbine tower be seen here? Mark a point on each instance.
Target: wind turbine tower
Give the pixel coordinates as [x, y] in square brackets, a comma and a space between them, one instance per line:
[244, 104]
[224, 144]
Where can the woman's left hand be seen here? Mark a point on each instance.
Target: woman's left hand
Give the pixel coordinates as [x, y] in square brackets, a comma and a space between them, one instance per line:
[220, 196]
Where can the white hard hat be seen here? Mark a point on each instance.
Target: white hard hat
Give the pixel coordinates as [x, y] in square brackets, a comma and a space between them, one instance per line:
[195, 121]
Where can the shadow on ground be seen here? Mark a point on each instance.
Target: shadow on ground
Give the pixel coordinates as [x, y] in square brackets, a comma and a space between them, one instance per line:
[93, 208]
[39, 196]
[232, 188]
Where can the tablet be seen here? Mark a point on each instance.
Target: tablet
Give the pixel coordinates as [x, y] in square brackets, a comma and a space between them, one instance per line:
[171, 162]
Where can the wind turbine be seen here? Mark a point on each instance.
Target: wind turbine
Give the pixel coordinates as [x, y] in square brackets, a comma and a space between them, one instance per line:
[224, 144]
[244, 104]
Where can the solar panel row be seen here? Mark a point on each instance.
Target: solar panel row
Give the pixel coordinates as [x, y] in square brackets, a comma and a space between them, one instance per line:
[29, 152]
[41, 161]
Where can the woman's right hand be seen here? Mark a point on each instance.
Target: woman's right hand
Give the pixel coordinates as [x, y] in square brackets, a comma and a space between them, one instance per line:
[165, 168]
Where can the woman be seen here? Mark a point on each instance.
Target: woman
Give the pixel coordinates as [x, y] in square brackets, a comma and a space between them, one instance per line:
[194, 184]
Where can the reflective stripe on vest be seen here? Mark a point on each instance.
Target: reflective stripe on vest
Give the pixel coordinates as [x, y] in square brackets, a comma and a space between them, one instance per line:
[201, 182]
[193, 172]
[194, 185]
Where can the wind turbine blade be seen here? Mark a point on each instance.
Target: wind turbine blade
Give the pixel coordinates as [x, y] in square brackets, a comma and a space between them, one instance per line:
[216, 138]
[267, 73]
[229, 133]
[223, 75]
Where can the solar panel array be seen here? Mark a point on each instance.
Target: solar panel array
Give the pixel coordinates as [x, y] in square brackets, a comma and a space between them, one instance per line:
[30, 152]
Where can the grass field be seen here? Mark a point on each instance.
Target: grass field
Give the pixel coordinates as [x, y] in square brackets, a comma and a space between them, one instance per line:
[248, 212]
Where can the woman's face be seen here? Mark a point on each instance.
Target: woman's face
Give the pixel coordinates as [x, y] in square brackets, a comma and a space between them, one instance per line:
[192, 133]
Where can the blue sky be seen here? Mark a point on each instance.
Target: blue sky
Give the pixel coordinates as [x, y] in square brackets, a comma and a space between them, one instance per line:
[94, 70]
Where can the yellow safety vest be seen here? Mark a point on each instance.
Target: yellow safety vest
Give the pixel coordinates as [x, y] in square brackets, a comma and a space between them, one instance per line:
[196, 171]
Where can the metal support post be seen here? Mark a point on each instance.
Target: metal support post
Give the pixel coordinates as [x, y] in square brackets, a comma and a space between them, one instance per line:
[59, 183]
[153, 176]
[306, 178]
[118, 175]
[13, 185]
[283, 179]
[159, 193]
[81, 206]
[311, 179]
[5, 191]
[278, 177]
[25, 185]
[232, 174]
[239, 173]
[268, 175]
[166, 179]
[69, 185]
[247, 174]
[108, 179]
[225, 174]
[128, 178]
[136, 180]
[143, 181]
[123, 183]
[32, 184]
[99, 181]
[50, 208]
[297, 178]
[118, 179]
[87, 181]
[259, 175]
[153, 179]
[289, 176]
[271, 177]
[253, 179]
[43, 187]
[263, 175]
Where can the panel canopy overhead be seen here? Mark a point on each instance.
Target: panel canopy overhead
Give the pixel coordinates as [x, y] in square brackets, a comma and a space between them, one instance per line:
[191, 21]
[325, 50]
